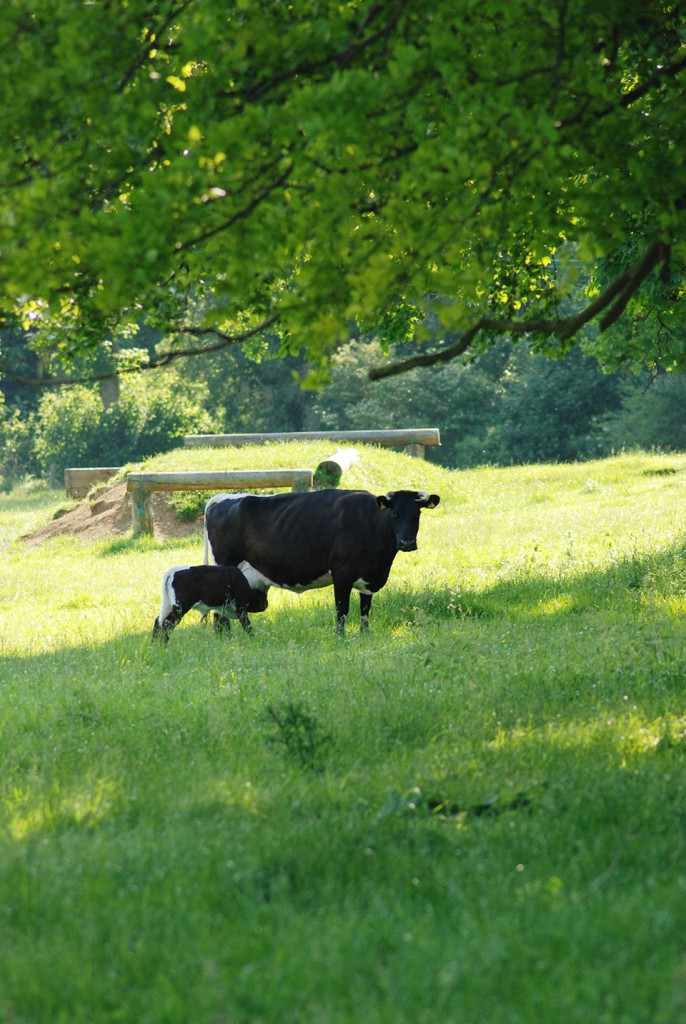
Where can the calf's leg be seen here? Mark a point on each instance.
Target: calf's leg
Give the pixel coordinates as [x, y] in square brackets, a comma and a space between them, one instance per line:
[244, 620]
[161, 632]
[222, 623]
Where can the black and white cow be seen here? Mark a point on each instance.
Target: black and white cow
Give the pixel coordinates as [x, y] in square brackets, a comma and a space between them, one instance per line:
[299, 541]
[207, 588]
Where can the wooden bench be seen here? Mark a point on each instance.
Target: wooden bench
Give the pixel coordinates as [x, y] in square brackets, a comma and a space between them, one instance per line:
[414, 441]
[142, 485]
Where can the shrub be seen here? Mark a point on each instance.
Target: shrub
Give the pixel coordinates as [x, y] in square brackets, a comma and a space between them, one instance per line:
[152, 415]
[16, 446]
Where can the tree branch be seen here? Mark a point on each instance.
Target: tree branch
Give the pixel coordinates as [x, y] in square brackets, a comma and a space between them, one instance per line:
[659, 75]
[156, 33]
[239, 214]
[613, 298]
[155, 363]
[342, 58]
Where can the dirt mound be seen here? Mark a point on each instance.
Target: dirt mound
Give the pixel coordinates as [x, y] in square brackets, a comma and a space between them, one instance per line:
[107, 513]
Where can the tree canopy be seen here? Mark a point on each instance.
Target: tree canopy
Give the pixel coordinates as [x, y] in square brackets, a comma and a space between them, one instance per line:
[195, 165]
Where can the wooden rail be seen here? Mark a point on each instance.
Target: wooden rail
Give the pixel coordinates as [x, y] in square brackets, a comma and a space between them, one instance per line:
[142, 485]
[414, 441]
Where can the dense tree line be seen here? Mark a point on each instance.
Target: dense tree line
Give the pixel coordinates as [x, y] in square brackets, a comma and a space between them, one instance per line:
[505, 406]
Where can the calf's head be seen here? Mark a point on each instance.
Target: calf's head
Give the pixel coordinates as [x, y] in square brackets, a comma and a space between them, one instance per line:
[405, 507]
[258, 601]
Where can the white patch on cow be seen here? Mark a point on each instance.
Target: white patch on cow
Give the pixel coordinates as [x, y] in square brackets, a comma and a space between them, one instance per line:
[362, 586]
[300, 588]
[168, 592]
[258, 581]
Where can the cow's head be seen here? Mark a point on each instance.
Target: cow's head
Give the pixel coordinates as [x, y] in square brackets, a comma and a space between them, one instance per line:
[405, 507]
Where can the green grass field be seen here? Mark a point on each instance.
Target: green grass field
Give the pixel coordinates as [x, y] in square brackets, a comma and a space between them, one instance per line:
[474, 814]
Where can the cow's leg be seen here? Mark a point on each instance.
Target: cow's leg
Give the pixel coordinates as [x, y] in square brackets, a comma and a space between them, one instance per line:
[341, 592]
[365, 607]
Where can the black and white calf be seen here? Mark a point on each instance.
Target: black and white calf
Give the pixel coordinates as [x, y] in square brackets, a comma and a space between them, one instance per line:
[207, 588]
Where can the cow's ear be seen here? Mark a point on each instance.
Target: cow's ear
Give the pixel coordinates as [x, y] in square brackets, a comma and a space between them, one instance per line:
[384, 500]
[429, 500]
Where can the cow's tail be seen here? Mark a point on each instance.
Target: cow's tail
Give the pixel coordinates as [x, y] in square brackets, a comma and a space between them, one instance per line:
[206, 549]
[205, 541]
